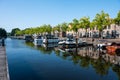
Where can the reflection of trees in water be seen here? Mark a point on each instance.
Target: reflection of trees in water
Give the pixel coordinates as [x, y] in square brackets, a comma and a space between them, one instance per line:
[29, 44]
[101, 66]
[57, 52]
[116, 69]
[44, 50]
[88, 56]
[85, 62]
[84, 57]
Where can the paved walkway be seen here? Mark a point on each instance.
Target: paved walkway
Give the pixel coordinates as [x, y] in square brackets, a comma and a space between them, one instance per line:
[97, 41]
[4, 74]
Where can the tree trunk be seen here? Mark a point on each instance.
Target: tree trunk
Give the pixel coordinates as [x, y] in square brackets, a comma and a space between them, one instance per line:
[76, 39]
[101, 34]
[86, 34]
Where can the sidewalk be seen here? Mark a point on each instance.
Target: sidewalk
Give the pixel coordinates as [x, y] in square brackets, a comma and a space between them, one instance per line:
[4, 74]
[98, 41]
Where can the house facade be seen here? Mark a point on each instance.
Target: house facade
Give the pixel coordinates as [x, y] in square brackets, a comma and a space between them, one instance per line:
[112, 31]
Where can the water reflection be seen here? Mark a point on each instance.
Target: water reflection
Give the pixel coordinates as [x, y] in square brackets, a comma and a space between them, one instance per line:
[85, 57]
[44, 49]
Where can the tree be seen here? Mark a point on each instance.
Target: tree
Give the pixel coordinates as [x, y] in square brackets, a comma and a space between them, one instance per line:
[19, 33]
[13, 32]
[85, 23]
[117, 22]
[102, 21]
[75, 25]
[64, 27]
[47, 28]
[100, 66]
[117, 19]
[3, 33]
[92, 26]
[56, 28]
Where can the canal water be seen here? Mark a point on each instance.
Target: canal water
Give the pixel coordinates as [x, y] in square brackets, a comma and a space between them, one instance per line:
[28, 62]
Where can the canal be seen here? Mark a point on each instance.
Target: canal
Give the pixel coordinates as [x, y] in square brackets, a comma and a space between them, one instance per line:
[28, 62]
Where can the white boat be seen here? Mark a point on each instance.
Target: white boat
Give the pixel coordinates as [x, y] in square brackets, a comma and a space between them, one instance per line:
[28, 38]
[103, 45]
[38, 40]
[61, 42]
[70, 42]
[50, 39]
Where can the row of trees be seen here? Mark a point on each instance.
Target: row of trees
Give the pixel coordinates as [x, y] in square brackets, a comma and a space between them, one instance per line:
[39, 30]
[101, 21]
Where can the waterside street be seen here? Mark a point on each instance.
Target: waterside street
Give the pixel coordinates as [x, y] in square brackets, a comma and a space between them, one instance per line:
[4, 74]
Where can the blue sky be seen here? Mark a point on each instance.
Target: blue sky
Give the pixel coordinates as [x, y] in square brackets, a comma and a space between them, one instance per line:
[33, 13]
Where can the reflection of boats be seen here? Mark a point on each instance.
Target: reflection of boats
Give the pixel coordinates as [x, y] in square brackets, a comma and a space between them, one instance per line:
[69, 50]
[61, 50]
[90, 53]
[50, 45]
[38, 40]
[50, 39]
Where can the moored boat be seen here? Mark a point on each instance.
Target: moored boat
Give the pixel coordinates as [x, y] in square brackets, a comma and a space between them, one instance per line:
[50, 39]
[28, 38]
[61, 42]
[38, 40]
[114, 48]
[111, 49]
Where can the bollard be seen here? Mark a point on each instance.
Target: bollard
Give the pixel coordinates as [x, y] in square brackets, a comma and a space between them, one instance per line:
[3, 42]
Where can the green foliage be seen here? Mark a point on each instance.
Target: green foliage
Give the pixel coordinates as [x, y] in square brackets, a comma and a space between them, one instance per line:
[64, 27]
[92, 25]
[117, 19]
[75, 25]
[30, 31]
[102, 20]
[56, 28]
[60, 27]
[13, 32]
[3, 33]
[19, 33]
[85, 22]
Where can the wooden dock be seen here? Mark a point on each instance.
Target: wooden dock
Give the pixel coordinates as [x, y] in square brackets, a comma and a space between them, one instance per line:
[4, 73]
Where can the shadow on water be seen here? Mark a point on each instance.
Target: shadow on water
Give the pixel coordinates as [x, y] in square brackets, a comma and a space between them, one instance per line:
[85, 57]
